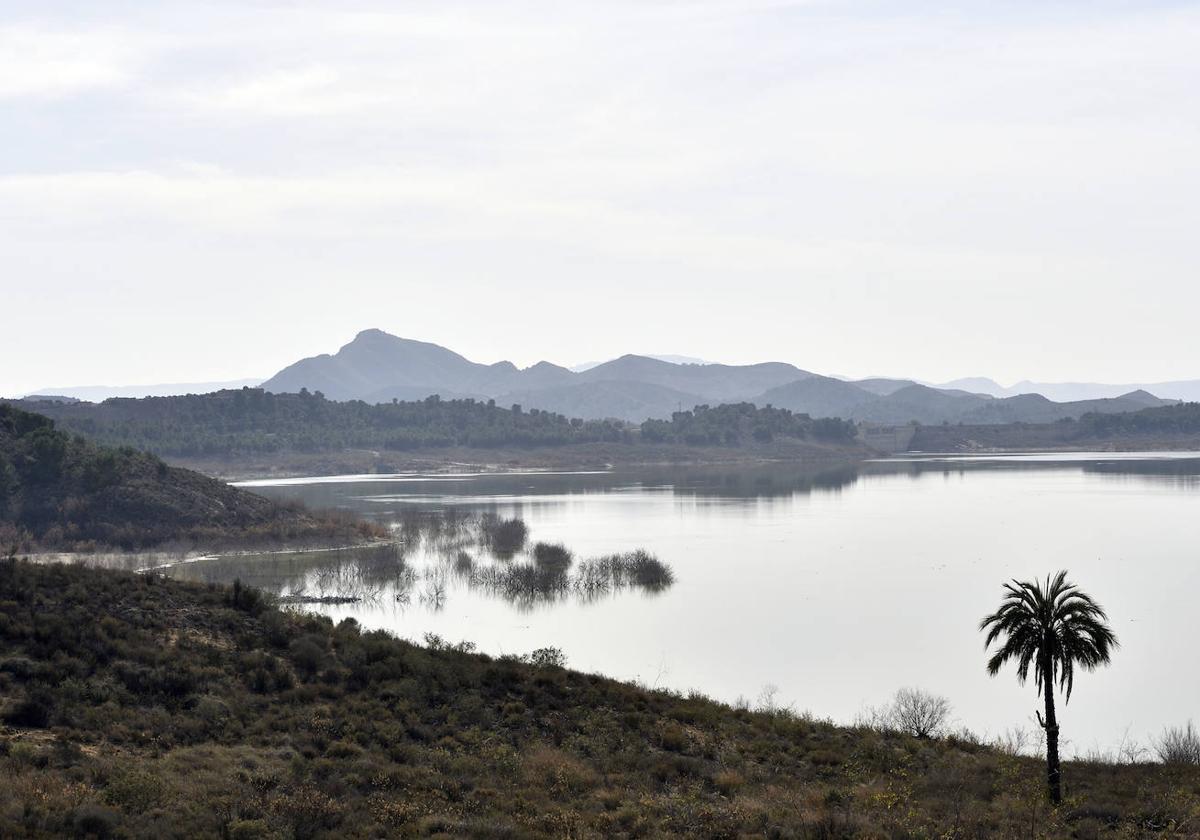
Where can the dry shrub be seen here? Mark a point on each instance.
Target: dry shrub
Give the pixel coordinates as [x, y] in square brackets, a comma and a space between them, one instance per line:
[1179, 745]
[728, 782]
[558, 771]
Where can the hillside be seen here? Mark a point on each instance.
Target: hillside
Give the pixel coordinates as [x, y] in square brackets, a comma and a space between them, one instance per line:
[820, 396]
[142, 707]
[1164, 427]
[61, 491]
[1187, 390]
[895, 402]
[377, 367]
[631, 402]
[732, 424]
[230, 425]
[715, 382]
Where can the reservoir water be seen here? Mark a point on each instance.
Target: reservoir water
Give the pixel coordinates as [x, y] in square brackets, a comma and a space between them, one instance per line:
[836, 587]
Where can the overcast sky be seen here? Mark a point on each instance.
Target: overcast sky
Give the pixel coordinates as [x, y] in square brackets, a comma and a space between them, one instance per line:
[211, 190]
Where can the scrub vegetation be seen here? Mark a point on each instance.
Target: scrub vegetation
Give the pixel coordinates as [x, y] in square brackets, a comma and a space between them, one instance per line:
[251, 421]
[136, 706]
[60, 491]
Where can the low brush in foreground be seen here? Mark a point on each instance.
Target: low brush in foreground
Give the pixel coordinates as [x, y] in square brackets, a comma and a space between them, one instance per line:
[141, 707]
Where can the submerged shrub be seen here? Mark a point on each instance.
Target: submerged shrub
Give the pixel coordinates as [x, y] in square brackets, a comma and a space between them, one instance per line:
[504, 537]
[634, 568]
[554, 557]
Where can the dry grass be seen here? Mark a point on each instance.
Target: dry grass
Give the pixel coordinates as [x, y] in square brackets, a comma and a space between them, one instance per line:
[302, 729]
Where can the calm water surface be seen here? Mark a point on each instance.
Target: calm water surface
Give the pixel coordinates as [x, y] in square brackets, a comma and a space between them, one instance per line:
[838, 587]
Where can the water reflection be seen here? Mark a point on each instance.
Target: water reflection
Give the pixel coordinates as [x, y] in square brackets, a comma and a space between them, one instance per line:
[386, 498]
[821, 580]
[438, 553]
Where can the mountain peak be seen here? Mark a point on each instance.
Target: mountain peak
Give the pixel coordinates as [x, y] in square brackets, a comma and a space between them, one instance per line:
[1142, 397]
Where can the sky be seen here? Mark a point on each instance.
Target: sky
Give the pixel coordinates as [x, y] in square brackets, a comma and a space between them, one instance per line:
[211, 190]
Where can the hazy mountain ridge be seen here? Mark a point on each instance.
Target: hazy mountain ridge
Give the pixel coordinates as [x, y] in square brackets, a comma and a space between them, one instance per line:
[1187, 390]
[616, 398]
[99, 393]
[378, 367]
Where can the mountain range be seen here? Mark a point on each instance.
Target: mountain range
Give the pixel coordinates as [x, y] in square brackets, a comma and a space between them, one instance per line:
[378, 367]
[1187, 390]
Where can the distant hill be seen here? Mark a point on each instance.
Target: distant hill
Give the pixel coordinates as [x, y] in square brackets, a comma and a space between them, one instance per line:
[1165, 427]
[819, 396]
[61, 491]
[50, 398]
[668, 357]
[922, 404]
[98, 393]
[1034, 408]
[377, 367]
[250, 421]
[1186, 390]
[882, 386]
[718, 383]
[631, 402]
[229, 425]
[893, 402]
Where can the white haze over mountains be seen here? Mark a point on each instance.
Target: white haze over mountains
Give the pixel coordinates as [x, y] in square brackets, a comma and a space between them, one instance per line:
[191, 191]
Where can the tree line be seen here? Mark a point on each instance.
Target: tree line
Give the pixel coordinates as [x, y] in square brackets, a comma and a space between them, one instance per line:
[735, 424]
[253, 421]
[1165, 420]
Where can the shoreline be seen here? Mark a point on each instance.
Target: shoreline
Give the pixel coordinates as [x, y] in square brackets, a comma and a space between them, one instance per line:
[162, 558]
[609, 458]
[580, 457]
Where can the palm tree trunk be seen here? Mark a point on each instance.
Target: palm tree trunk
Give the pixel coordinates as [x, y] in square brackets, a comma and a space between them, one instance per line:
[1053, 773]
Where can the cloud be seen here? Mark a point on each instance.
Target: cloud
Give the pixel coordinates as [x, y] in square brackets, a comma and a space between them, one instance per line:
[47, 63]
[908, 154]
[317, 90]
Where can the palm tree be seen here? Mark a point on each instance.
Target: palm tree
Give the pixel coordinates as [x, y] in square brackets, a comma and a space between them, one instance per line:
[1052, 629]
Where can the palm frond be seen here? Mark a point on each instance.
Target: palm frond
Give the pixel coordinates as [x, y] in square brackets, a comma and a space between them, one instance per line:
[1049, 628]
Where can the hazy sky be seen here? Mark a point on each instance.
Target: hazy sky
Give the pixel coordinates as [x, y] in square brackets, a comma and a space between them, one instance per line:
[210, 190]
